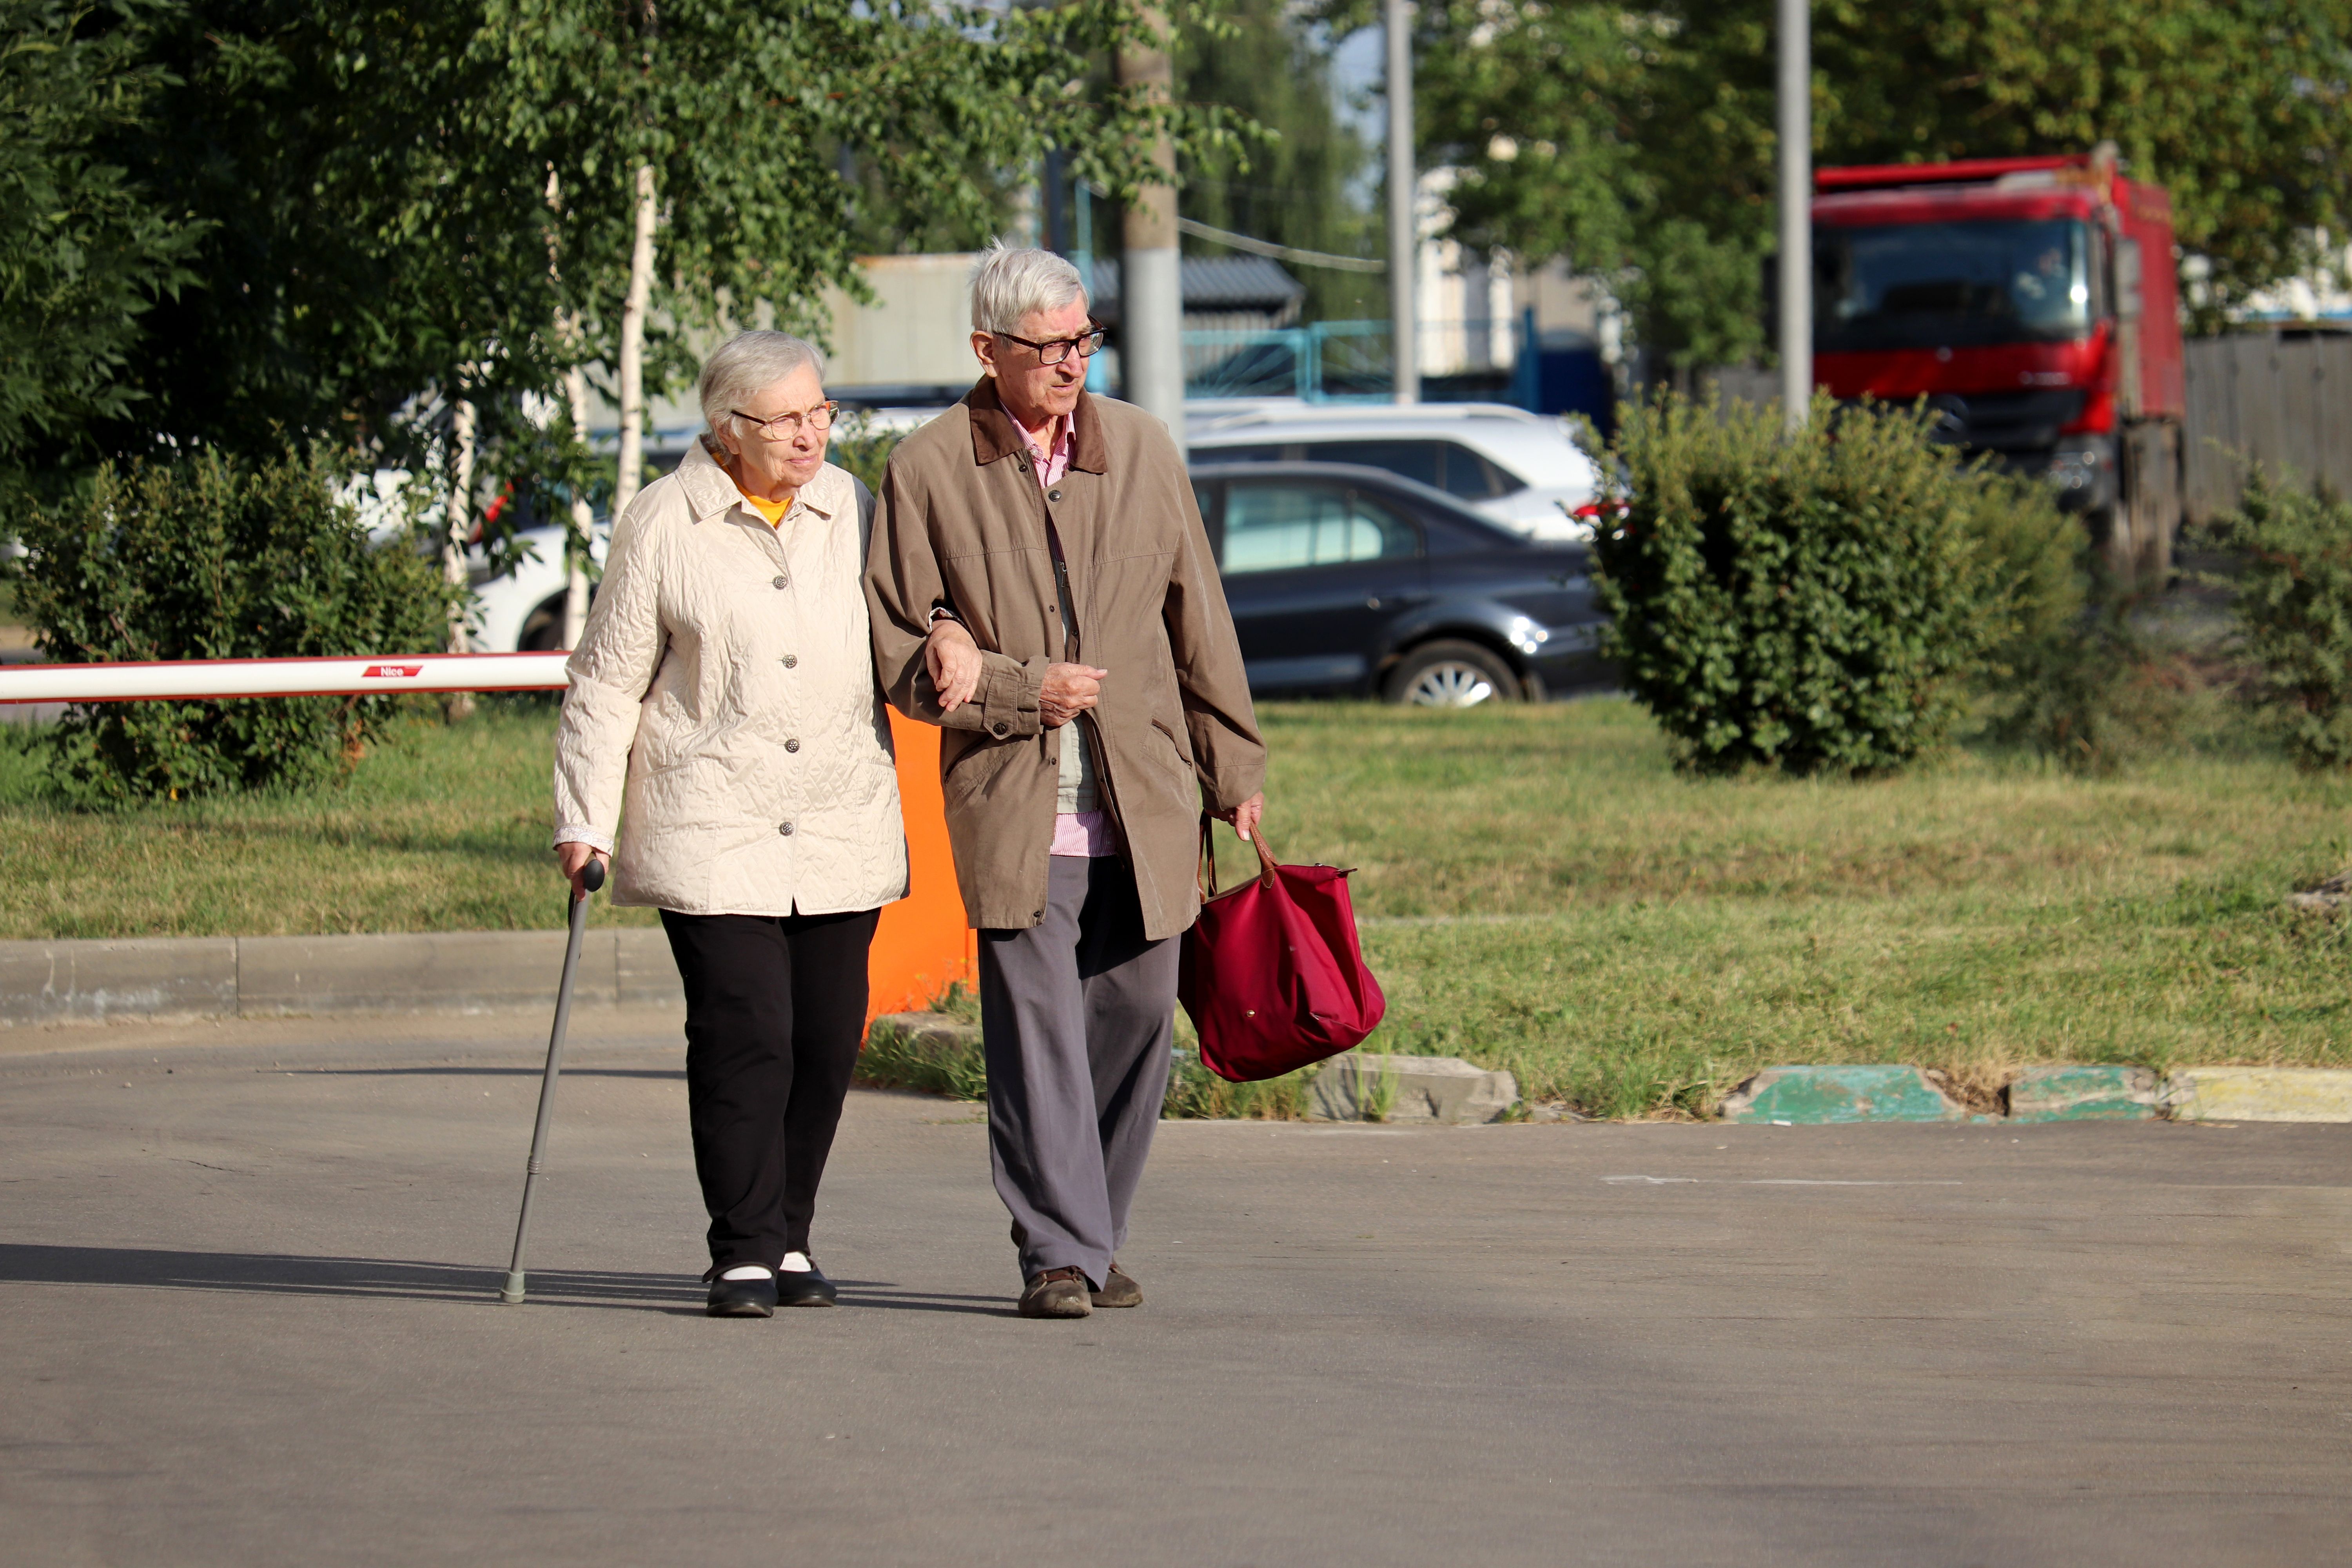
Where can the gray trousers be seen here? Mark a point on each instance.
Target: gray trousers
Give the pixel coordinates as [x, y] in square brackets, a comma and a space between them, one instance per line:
[1078, 1015]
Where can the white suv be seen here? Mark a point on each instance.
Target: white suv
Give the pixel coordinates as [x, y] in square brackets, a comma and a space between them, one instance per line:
[1519, 468]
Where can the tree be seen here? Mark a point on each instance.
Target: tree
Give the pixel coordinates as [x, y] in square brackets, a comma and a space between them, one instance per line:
[1639, 143]
[374, 179]
[84, 252]
[1302, 184]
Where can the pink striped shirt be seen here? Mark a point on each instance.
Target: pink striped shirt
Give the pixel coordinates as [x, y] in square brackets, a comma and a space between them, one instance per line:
[1087, 835]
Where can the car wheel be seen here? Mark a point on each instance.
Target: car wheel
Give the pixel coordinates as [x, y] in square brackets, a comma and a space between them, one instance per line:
[544, 631]
[1452, 674]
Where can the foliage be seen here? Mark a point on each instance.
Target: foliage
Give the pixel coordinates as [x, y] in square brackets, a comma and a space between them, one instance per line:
[934, 1062]
[1639, 143]
[1305, 184]
[404, 205]
[84, 253]
[2294, 607]
[1817, 600]
[864, 450]
[209, 557]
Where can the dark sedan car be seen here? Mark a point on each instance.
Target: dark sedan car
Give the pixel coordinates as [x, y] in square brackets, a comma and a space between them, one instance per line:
[1352, 580]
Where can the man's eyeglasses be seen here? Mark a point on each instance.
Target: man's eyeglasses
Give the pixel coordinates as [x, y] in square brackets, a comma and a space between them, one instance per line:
[784, 427]
[1057, 351]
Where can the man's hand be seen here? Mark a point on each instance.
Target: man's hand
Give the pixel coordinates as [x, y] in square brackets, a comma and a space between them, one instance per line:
[572, 858]
[1245, 817]
[954, 659]
[1068, 690]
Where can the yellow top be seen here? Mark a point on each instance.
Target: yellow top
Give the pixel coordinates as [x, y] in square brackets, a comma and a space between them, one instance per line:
[773, 510]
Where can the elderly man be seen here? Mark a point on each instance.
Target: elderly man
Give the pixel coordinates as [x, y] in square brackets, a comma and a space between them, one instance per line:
[1042, 587]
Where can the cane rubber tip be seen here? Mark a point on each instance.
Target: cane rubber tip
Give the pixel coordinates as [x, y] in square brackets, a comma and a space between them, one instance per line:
[511, 1295]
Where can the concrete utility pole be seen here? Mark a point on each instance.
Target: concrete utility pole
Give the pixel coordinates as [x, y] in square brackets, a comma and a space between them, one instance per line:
[1796, 210]
[1150, 274]
[1404, 228]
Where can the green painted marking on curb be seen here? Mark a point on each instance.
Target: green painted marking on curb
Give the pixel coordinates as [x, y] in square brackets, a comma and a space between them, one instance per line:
[2071, 1092]
[1813, 1095]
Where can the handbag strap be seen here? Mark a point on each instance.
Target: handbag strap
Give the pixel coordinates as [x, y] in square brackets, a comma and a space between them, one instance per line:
[1204, 876]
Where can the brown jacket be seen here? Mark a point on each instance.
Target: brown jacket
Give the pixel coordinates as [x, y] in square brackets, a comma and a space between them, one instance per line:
[961, 526]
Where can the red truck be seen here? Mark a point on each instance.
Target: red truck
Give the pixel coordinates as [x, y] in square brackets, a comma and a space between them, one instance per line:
[2032, 302]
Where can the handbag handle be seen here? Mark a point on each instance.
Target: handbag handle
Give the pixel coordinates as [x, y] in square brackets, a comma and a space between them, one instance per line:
[1204, 876]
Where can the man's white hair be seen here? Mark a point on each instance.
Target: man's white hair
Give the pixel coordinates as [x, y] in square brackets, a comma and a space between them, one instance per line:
[1009, 283]
[746, 365]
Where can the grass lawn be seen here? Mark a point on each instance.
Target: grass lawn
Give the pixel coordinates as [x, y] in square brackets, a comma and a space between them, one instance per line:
[1540, 892]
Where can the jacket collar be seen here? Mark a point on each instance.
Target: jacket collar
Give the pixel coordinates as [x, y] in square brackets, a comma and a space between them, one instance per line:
[712, 492]
[995, 433]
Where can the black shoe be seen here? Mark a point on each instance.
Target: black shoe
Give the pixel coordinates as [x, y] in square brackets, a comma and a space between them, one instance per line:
[809, 1290]
[742, 1298]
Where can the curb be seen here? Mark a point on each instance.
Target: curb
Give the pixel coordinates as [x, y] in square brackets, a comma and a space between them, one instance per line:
[1816, 1095]
[1803, 1096]
[161, 978]
[2258, 1094]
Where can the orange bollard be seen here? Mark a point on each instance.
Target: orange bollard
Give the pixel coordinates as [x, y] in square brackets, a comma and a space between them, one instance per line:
[922, 945]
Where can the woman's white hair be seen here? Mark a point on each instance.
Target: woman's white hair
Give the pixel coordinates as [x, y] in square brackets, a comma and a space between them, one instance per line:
[1009, 283]
[746, 365]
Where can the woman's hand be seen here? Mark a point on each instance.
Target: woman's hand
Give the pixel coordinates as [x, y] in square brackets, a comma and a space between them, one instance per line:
[954, 659]
[573, 859]
[1245, 817]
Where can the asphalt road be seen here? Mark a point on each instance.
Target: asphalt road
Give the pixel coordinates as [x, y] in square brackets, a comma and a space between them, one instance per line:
[245, 1317]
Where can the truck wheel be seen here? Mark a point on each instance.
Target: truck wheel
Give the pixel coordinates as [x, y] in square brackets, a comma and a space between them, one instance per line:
[1452, 674]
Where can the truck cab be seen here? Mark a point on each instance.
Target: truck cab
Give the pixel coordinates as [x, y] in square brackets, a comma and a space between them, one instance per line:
[2032, 303]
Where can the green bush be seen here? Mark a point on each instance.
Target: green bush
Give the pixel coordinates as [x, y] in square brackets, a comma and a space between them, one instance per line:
[862, 449]
[2295, 608]
[1819, 602]
[210, 557]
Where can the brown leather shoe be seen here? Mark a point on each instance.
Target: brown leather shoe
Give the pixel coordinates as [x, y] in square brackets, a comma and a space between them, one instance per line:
[1058, 1293]
[1119, 1289]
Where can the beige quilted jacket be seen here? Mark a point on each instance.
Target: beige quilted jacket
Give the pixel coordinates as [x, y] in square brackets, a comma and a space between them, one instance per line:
[723, 718]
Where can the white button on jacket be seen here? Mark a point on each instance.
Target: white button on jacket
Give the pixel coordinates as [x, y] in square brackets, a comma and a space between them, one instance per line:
[723, 721]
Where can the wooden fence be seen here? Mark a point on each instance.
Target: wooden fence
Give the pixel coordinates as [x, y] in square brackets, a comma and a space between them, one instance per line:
[2283, 401]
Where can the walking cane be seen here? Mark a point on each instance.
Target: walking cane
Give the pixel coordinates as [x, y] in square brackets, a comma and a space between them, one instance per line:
[592, 877]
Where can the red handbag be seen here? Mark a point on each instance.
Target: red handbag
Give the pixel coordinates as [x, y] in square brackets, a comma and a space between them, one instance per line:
[1271, 973]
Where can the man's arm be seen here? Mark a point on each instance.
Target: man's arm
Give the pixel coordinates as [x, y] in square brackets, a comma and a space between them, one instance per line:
[1227, 751]
[903, 587]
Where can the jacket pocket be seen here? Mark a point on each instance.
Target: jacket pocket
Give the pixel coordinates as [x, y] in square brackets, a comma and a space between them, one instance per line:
[1176, 743]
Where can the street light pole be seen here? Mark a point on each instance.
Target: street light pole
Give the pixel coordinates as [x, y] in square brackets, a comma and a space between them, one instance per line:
[1150, 273]
[1404, 233]
[1796, 211]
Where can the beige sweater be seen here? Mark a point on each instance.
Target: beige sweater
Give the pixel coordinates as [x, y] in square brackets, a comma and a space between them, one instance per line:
[723, 722]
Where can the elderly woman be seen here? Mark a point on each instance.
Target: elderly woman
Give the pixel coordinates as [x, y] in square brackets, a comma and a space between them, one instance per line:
[725, 745]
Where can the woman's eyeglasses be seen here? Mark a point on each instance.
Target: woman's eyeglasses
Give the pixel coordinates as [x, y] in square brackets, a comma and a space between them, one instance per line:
[1056, 351]
[784, 427]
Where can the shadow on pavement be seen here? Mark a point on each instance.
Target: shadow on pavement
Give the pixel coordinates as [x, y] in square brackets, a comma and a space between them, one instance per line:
[539, 1071]
[285, 1274]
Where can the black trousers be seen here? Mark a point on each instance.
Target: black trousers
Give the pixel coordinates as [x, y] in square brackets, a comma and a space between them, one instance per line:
[775, 1009]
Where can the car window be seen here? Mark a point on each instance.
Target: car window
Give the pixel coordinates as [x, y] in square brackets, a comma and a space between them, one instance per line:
[1413, 459]
[1276, 527]
[1473, 477]
[1200, 455]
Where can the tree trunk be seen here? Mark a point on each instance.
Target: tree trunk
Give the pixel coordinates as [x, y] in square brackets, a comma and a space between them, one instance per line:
[575, 392]
[453, 544]
[632, 348]
[583, 522]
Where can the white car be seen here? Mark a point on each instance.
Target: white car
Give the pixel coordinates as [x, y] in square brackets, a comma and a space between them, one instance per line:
[522, 612]
[1519, 468]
